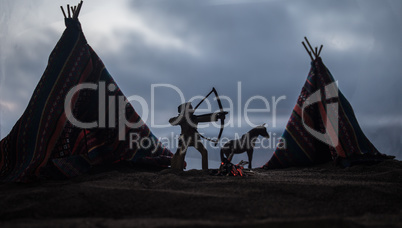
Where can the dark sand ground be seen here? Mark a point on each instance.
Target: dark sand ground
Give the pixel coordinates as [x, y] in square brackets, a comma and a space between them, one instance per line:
[123, 196]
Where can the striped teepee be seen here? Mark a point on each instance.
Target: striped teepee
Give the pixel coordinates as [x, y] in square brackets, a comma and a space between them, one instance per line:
[44, 142]
[322, 125]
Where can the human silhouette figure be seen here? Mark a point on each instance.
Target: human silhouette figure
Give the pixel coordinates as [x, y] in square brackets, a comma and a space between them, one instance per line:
[189, 134]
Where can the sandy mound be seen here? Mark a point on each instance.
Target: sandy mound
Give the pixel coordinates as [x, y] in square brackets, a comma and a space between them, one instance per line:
[125, 196]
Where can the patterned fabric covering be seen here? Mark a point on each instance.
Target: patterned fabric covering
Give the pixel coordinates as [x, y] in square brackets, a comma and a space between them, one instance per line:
[44, 143]
[300, 148]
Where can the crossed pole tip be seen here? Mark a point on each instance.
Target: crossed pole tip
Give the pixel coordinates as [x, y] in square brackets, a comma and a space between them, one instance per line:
[316, 52]
[75, 11]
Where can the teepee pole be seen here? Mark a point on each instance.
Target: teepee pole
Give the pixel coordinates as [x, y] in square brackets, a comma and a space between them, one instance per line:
[311, 48]
[68, 11]
[72, 10]
[319, 52]
[77, 11]
[309, 53]
[315, 51]
[62, 10]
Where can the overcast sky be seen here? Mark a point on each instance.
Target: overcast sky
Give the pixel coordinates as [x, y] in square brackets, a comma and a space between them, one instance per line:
[195, 45]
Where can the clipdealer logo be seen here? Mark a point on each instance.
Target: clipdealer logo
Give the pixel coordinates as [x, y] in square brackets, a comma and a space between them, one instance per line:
[330, 136]
[112, 109]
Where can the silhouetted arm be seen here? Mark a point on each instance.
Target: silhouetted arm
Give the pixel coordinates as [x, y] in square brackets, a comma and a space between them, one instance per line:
[175, 120]
[211, 117]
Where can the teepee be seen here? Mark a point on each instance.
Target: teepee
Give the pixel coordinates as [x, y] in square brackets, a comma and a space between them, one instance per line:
[322, 126]
[45, 142]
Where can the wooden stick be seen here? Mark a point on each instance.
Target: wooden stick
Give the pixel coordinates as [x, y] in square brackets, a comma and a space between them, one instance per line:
[62, 10]
[72, 10]
[68, 10]
[320, 50]
[80, 5]
[316, 51]
[78, 10]
[308, 43]
[75, 13]
[309, 53]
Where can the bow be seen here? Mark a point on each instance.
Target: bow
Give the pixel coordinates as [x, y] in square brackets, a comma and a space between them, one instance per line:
[221, 111]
